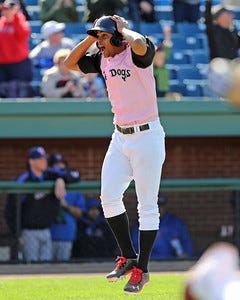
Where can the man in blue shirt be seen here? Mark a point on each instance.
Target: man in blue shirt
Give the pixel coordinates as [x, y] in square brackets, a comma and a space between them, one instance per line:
[38, 210]
[72, 205]
[172, 240]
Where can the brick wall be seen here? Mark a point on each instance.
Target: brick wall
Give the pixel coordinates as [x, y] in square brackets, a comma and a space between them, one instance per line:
[203, 212]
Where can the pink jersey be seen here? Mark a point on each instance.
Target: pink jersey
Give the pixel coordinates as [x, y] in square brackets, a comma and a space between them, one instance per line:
[131, 89]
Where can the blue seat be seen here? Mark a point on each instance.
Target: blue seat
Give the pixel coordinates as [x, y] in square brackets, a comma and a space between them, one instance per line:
[198, 57]
[176, 87]
[193, 90]
[31, 2]
[75, 28]
[164, 15]
[193, 42]
[151, 28]
[236, 13]
[184, 43]
[35, 26]
[172, 71]
[189, 29]
[34, 14]
[178, 57]
[188, 72]
[179, 43]
[162, 2]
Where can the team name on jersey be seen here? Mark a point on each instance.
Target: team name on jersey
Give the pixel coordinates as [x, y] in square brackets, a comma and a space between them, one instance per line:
[124, 73]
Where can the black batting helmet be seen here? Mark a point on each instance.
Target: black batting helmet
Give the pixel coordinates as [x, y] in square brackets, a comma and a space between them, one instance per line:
[106, 24]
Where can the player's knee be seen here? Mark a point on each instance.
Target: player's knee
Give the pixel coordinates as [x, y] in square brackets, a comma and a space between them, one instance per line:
[112, 207]
[149, 219]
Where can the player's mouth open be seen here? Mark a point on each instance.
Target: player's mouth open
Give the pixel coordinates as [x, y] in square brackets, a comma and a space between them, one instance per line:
[102, 48]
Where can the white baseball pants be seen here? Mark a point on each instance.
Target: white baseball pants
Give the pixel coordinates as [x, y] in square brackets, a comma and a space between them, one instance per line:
[139, 157]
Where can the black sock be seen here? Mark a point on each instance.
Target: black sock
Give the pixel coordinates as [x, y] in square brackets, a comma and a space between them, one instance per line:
[121, 231]
[146, 240]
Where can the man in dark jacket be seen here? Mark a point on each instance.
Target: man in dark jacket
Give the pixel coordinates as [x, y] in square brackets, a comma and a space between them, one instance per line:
[39, 210]
[223, 38]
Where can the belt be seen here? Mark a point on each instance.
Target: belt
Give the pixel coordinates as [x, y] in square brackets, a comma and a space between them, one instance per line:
[131, 130]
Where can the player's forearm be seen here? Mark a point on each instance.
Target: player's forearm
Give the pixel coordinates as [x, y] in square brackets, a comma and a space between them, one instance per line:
[136, 41]
[71, 62]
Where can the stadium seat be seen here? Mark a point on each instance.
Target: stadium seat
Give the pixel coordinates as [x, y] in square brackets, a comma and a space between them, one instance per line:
[164, 15]
[35, 26]
[176, 87]
[178, 57]
[172, 71]
[31, 2]
[188, 72]
[193, 42]
[179, 43]
[184, 43]
[193, 90]
[202, 37]
[75, 28]
[189, 29]
[236, 12]
[154, 29]
[198, 57]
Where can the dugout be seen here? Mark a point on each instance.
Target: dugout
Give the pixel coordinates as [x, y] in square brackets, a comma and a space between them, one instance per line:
[202, 142]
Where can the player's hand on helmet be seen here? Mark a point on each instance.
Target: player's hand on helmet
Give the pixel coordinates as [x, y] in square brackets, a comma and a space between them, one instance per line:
[120, 22]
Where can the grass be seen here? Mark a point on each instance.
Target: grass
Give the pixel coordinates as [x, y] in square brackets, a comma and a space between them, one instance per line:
[162, 286]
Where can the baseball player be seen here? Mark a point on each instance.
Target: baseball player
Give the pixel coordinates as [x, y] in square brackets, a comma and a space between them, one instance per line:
[137, 149]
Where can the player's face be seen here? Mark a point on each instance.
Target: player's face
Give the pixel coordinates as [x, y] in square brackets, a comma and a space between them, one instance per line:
[104, 44]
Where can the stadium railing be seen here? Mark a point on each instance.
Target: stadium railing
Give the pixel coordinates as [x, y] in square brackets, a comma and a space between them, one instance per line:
[167, 185]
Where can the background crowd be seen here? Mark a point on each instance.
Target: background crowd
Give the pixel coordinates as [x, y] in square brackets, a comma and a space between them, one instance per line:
[31, 63]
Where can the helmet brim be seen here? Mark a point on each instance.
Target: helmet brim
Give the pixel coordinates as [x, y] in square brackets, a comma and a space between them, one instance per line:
[94, 31]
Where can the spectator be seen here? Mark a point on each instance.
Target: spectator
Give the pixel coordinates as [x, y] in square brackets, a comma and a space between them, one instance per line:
[93, 86]
[59, 81]
[53, 34]
[142, 11]
[186, 11]
[160, 71]
[64, 11]
[94, 238]
[38, 210]
[15, 65]
[172, 239]
[72, 205]
[215, 276]
[223, 38]
[97, 8]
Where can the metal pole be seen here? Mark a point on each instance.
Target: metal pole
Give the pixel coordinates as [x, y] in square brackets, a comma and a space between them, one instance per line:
[18, 224]
[237, 219]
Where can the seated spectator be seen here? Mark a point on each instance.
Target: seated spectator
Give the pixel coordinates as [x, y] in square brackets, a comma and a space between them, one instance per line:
[95, 9]
[93, 86]
[72, 205]
[59, 81]
[53, 34]
[142, 11]
[38, 210]
[15, 66]
[186, 11]
[172, 240]
[64, 11]
[94, 238]
[160, 71]
[223, 38]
